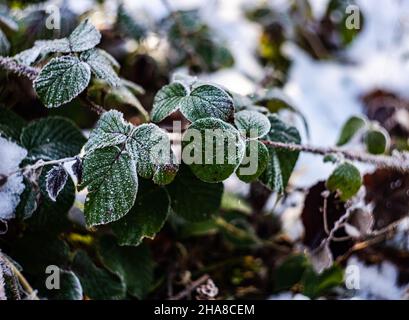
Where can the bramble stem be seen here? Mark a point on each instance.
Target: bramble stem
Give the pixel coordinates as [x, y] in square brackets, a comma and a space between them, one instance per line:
[397, 161]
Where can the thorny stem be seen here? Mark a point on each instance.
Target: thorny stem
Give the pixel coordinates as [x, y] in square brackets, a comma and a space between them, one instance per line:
[398, 161]
[11, 65]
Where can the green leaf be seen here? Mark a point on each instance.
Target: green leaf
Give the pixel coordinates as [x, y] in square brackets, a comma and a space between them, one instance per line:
[97, 283]
[345, 180]
[52, 138]
[290, 272]
[11, 125]
[315, 285]
[101, 65]
[110, 130]
[134, 265]
[28, 200]
[84, 37]
[150, 147]
[193, 199]
[213, 149]
[128, 26]
[112, 182]
[254, 162]
[61, 80]
[147, 216]
[168, 100]
[253, 124]
[202, 102]
[282, 161]
[377, 141]
[350, 128]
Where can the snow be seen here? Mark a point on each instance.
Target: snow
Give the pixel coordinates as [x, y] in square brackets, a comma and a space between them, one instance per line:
[377, 281]
[12, 155]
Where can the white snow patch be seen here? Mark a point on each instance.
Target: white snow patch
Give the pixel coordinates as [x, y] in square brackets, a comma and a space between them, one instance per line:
[11, 156]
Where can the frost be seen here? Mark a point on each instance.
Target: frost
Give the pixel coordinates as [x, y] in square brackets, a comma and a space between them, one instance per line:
[10, 192]
[55, 181]
[61, 80]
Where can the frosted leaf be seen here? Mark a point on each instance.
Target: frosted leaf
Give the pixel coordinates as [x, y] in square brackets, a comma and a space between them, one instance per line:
[52, 138]
[282, 162]
[111, 130]
[151, 148]
[11, 190]
[207, 101]
[61, 80]
[53, 46]
[146, 218]
[193, 199]
[112, 182]
[253, 124]
[77, 169]
[217, 146]
[84, 37]
[345, 180]
[101, 65]
[202, 102]
[167, 100]
[29, 56]
[70, 287]
[55, 181]
[254, 162]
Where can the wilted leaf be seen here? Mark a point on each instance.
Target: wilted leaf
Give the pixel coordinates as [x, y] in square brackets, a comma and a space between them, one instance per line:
[360, 223]
[56, 180]
[321, 257]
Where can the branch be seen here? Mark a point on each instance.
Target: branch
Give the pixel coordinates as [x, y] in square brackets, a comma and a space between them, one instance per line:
[11, 65]
[397, 161]
[190, 288]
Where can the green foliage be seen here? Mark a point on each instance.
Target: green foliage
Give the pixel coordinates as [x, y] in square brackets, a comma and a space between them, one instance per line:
[350, 128]
[253, 124]
[256, 154]
[202, 101]
[377, 141]
[282, 161]
[345, 180]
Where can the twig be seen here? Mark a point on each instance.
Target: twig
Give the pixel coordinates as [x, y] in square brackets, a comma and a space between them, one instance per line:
[190, 288]
[398, 161]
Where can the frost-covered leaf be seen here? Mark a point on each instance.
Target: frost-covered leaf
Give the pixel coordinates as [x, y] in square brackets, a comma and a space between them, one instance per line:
[350, 128]
[193, 199]
[128, 26]
[11, 125]
[213, 149]
[282, 161]
[110, 130]
[84, 37]
[29, 56]
[134, 265]
[61, 80]
[53, 46]
[97, 283]
[56, 180]
[345, 180]
[254, 162]
[4, 44]
[101, 66]
[150, 147]
[168, 100]
[28, 200]
[70, 287]
[112, 182]
[52, 138]
[147, 216]
[12, 186]
[377, 141]
[253, 124]
[202, 102]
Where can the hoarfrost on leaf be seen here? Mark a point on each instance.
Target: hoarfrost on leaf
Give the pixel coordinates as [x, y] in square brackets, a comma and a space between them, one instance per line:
[55, 181]
[11, 190]
[61, 80]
